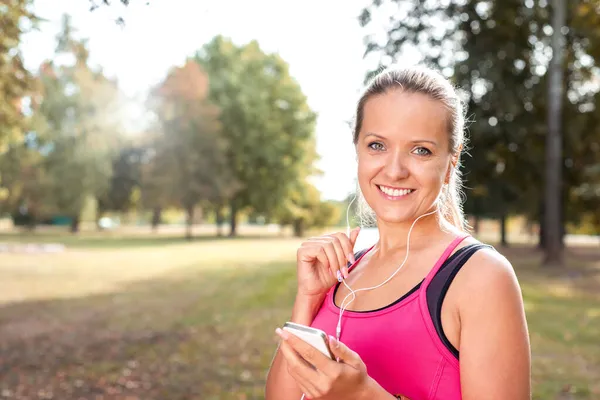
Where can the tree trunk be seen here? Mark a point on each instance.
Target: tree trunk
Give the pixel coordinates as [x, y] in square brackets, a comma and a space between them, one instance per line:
[220, 220]
[299, 227]
[476, 227]
[189, 222]
[542, 227]
[553, 193]
[503, 238]
[233, 218]
[75, 224]
[156, 218]
[563, 221]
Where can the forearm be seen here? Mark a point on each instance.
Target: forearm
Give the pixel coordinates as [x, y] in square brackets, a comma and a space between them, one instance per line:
[374, 391]
[280, 385]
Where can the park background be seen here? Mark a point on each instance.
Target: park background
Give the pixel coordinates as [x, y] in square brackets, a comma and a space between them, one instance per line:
[161, 161]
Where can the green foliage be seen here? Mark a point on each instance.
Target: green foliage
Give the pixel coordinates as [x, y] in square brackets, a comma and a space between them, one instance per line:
[303, 209]
[498, 53]
[188, 152]
[126, 177]
[15, 80]
[265, 118]
[15, 85]
[74, 135]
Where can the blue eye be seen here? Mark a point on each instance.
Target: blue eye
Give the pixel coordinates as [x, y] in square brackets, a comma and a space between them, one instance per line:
[375, 146]
[422, 151]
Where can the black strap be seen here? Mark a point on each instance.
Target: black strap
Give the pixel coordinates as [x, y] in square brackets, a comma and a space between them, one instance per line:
[438, 287]
[357, 255]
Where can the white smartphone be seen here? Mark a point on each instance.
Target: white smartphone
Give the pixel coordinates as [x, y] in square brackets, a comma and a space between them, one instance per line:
[315, 337]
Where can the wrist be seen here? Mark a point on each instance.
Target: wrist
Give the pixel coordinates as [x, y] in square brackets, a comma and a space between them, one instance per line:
[306, 308]
[373, 391]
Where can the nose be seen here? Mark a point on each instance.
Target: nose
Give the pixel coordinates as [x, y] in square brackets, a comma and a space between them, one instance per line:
[395, 166]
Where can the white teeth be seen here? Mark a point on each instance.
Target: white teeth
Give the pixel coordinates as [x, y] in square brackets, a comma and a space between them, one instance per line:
[394, 192]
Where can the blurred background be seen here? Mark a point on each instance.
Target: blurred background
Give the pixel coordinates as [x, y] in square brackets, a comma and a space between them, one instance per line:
[161, 161]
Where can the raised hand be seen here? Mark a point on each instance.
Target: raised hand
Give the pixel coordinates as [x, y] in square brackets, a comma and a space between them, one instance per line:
[320, 260]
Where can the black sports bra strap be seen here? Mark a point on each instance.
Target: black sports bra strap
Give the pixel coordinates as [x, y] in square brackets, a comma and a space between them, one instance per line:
[358, 255]
[438, 287]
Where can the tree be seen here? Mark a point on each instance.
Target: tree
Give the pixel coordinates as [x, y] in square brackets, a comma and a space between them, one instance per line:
[126, 178]
[79, 130]
[15, 86]
[554, 161]
[266, 120]
[95, 4]
[189, 150]
[498, 53]
[304, 209]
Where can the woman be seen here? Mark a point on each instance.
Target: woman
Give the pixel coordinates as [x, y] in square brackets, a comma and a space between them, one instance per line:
[450, 323]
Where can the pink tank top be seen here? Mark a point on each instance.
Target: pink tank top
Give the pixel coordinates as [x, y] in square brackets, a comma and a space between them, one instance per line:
[399, 343]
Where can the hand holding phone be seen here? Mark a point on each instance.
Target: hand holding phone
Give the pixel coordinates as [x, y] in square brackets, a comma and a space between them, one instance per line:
[315, 337]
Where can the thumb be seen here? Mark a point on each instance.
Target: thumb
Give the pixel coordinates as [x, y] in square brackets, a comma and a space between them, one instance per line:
[342, 353]
[354, 235]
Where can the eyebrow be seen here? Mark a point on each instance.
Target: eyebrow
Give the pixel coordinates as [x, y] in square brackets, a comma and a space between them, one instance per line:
[412, 141]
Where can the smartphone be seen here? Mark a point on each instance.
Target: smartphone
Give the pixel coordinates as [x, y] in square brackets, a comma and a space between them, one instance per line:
[315, 337]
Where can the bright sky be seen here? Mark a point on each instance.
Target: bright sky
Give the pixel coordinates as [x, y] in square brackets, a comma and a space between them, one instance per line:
[320, 39]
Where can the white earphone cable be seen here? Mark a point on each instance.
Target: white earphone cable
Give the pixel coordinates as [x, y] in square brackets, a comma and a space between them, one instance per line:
[348, 218]
[344, 306]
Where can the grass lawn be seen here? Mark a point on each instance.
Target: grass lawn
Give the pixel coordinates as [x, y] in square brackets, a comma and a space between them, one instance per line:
[160, 318]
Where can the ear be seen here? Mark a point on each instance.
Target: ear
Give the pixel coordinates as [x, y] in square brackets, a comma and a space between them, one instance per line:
[451, 167]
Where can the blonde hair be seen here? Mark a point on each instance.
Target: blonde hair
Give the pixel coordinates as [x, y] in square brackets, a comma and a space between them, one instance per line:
[433, 84]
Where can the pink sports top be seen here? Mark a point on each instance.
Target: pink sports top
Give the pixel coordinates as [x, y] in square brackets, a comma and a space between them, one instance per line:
[403, 344]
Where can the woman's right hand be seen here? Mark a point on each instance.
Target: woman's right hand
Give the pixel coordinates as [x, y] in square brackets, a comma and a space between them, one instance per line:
[320, 258]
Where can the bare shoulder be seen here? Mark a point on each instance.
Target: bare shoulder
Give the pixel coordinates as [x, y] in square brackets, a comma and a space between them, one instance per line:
[493, 329]
[487, 275]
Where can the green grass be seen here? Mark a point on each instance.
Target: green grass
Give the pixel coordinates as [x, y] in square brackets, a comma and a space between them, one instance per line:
[132, 318]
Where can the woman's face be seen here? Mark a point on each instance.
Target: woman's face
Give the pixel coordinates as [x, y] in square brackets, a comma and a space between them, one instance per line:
[403, 154]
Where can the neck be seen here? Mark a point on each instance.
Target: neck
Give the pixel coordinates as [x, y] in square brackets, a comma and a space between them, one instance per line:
[394, 236]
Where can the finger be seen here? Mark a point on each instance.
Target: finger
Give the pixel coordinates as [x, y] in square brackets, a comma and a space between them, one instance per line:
[346, 246]
[343, 354]
[341, 254]
[348, 251]
[307, 352]
[334, 264]
[321, 255]
[302, 372]
[313, 251]
[354, 235]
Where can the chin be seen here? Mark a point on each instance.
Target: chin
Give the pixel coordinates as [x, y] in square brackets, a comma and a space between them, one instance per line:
[394, 217]
[398, 213]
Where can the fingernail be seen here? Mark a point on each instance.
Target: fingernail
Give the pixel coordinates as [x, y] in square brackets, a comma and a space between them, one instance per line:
[351, 258]
[283, 334]
[345, 272]
[339, 276]
[333, 341]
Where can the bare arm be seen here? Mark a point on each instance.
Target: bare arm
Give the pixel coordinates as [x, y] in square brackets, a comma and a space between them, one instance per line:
[495, 355]
[280, 384]
[319, 261]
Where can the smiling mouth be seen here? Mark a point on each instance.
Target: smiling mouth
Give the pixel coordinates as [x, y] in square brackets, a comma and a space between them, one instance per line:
[392, 193]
